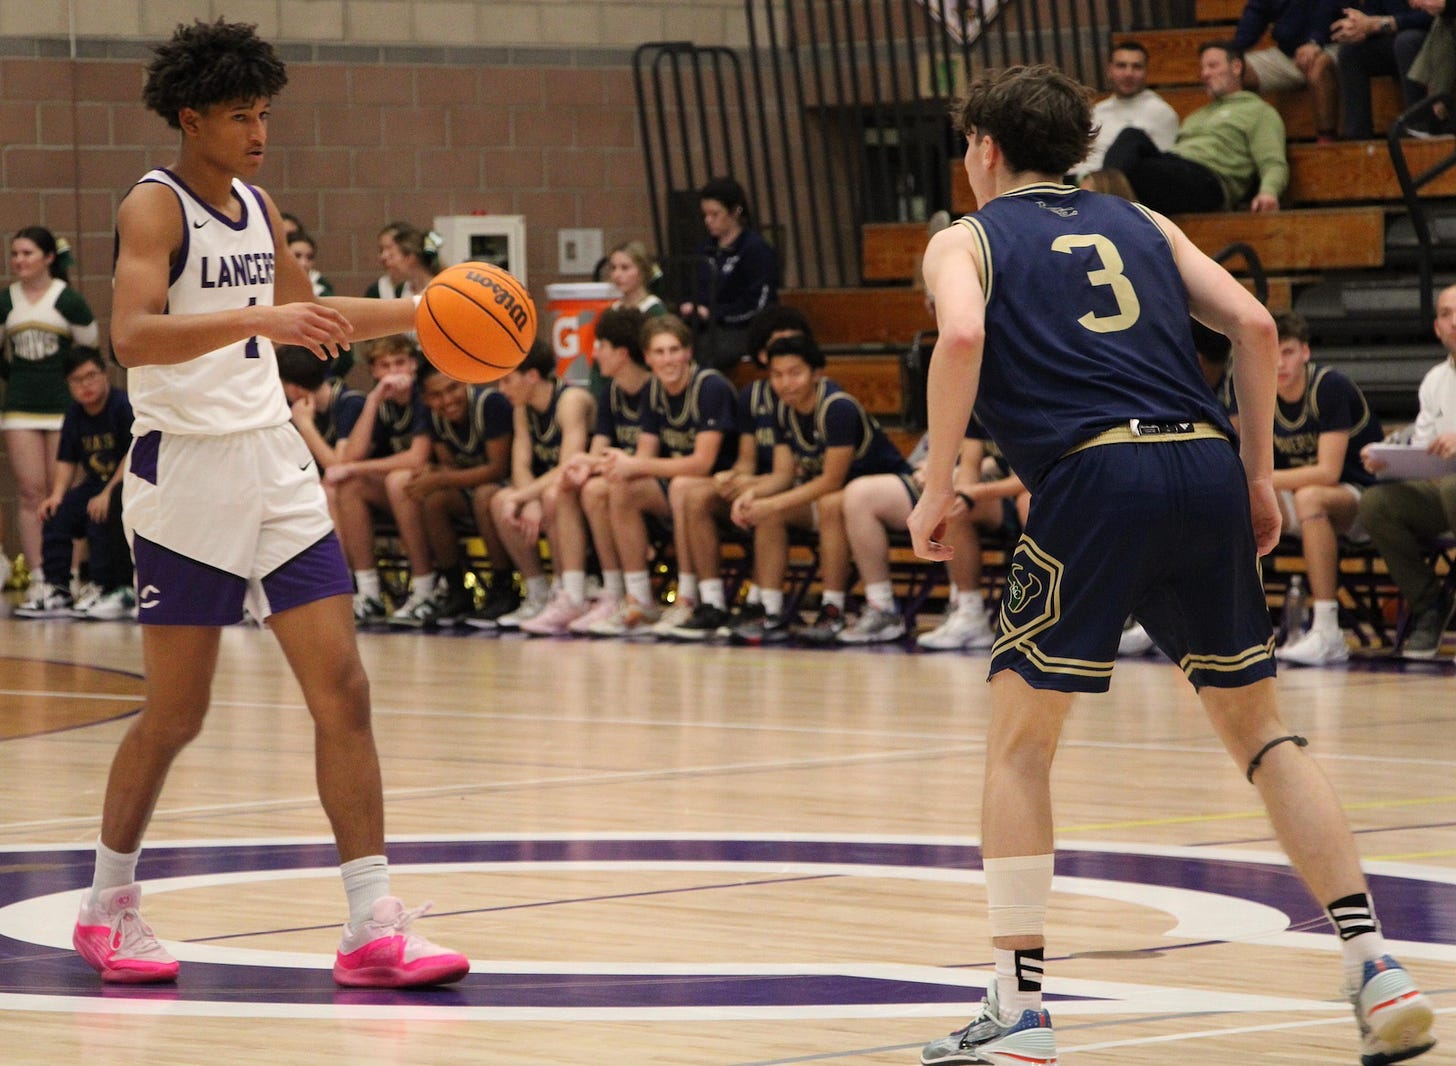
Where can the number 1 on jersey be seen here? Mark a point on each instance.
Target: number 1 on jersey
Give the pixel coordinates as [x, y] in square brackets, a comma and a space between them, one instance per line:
[250, 350]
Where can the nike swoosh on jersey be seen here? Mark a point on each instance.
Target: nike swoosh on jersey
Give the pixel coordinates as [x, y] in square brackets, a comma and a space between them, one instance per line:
[200, 223]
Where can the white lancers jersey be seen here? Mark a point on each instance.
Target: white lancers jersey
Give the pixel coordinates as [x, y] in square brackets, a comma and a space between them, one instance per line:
[222, 266]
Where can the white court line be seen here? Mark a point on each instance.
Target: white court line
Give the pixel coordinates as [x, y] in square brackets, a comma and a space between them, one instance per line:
[1272, 1027]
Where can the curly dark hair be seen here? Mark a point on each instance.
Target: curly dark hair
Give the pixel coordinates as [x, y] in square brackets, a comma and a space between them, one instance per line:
[211, 63]
[1040, 118]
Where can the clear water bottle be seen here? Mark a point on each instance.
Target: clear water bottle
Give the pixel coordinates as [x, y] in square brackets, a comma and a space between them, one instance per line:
[1296, 611]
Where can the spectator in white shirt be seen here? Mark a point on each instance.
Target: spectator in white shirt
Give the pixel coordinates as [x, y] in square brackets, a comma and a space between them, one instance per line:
[1132, 104]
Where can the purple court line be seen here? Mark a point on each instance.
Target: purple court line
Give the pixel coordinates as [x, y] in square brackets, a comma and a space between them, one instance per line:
[77, 725]
[1357, 832]
[540, 903]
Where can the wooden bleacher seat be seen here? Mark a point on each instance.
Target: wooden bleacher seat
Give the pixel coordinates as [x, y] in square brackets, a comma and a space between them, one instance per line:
[1293, 105]
[1361, 170]
[1313, 239]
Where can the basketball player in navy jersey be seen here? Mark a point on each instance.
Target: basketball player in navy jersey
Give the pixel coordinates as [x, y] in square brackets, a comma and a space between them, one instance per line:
[1063, 320]
[223, 502]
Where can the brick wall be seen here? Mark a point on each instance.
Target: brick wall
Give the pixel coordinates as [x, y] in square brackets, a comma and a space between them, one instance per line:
[530, 109]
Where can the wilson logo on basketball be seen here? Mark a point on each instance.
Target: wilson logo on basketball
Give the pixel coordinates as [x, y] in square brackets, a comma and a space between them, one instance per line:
[504, 298]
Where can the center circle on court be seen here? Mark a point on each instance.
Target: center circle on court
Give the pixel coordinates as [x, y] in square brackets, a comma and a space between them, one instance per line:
[1211, 894]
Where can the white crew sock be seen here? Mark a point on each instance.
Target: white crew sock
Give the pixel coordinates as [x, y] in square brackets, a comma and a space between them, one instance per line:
[365, 880]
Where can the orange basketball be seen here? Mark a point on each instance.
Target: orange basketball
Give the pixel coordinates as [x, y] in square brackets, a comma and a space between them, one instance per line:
[475, 322]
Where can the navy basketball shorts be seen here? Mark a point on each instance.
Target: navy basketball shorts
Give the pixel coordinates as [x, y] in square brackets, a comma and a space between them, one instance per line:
[1158, 531]
[219, 523]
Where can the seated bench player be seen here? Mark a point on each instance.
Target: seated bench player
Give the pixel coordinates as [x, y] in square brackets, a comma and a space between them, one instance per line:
[617, 354]
[553, 421]
[388, 443]
[689, 429]
[701, 505]
[471, 428]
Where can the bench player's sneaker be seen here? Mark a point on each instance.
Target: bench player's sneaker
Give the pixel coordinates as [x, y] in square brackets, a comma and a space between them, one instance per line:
[113, 939]
[382, 952]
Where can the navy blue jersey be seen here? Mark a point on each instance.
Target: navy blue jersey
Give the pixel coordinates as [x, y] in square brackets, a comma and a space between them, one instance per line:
[837, 421]
[546, 433]
[1331, 402]
[396, 425]
[97, 443]
[758, 417]
[619, 416]
[488, 416]
[708, 404]
[336, 421]
[1083, 332]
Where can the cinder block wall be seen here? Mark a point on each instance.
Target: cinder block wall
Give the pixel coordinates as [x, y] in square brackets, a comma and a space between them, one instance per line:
[395, 109]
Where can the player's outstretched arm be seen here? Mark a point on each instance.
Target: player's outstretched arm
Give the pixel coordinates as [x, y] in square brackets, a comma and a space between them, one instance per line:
[367, 318]
[149, 235]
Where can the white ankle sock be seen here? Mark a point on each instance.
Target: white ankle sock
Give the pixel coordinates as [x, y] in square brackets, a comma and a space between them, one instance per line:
[711, 593]
[832, 599]
[537, 588]
[1326, 616]
[365, 880]
[773, 601]
[114, 869]
[613, 585]
[367, 582]
[881, 595]
[574, 583]
[639, 586]
[687, 587]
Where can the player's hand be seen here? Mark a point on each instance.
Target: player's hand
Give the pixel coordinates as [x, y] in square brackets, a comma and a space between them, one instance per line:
[302, 409]
[623, 467]
[397, 387]
[744, 513]
[1443, 446]
[927, 525]
[339, 473]
[47, 507]
[1370, 463]
[1305, 56]
[422, 484]
[322, 330]
[1264, 513]
[98, 507]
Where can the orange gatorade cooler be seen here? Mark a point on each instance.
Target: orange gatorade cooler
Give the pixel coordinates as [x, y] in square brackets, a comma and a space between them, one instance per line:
[574, 308]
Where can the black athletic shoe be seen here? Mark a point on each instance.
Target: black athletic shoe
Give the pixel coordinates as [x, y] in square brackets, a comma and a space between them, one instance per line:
[705, 622]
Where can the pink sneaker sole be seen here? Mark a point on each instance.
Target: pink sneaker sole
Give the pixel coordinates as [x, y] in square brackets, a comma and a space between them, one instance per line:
[93, 944]
[376, 965]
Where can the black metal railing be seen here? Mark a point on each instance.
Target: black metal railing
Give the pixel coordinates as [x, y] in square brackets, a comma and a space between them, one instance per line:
[1410, 190]
[837, 114]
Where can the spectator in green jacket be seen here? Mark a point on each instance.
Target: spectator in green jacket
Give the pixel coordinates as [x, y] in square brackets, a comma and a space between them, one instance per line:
[1230, 149]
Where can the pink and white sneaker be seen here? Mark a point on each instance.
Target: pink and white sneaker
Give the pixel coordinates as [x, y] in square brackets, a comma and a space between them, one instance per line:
[600, 609]
[117, 944]
[383, 953]
[556, 618]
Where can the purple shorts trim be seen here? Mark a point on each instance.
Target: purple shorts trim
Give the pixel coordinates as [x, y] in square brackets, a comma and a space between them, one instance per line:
[173, 590]
[317, 572]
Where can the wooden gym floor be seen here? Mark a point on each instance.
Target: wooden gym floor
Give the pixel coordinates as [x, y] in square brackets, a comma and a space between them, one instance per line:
[715, 856]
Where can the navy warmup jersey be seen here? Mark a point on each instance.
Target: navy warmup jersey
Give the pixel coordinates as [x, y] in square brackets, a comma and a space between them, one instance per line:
[838, 421]
[488, 416]
[619, 416]
[1079, 327]
[758, 417]
[396, 425]
[1331, 402]
[336, 421]
[546, 433]
[707, 405]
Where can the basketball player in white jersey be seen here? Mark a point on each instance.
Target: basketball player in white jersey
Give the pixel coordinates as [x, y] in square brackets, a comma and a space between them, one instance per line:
[223, 504]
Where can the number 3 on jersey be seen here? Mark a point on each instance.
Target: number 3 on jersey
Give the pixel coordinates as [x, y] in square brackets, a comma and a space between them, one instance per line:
[1109, 274]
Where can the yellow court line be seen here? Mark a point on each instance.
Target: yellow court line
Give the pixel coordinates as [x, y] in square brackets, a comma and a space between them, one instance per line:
[1409, 855]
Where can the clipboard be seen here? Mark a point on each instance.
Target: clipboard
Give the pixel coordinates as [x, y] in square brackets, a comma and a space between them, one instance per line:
[1406, 462]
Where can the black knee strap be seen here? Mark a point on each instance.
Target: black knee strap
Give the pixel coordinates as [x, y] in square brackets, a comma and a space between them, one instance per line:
[1295, 738]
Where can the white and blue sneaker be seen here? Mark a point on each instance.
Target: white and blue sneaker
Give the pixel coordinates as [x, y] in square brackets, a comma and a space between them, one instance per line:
[1395, 1018]
[988, 1041]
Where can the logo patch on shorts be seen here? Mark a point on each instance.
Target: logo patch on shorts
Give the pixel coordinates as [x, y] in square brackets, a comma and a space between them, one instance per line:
[149, 596]
[1033, 597]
